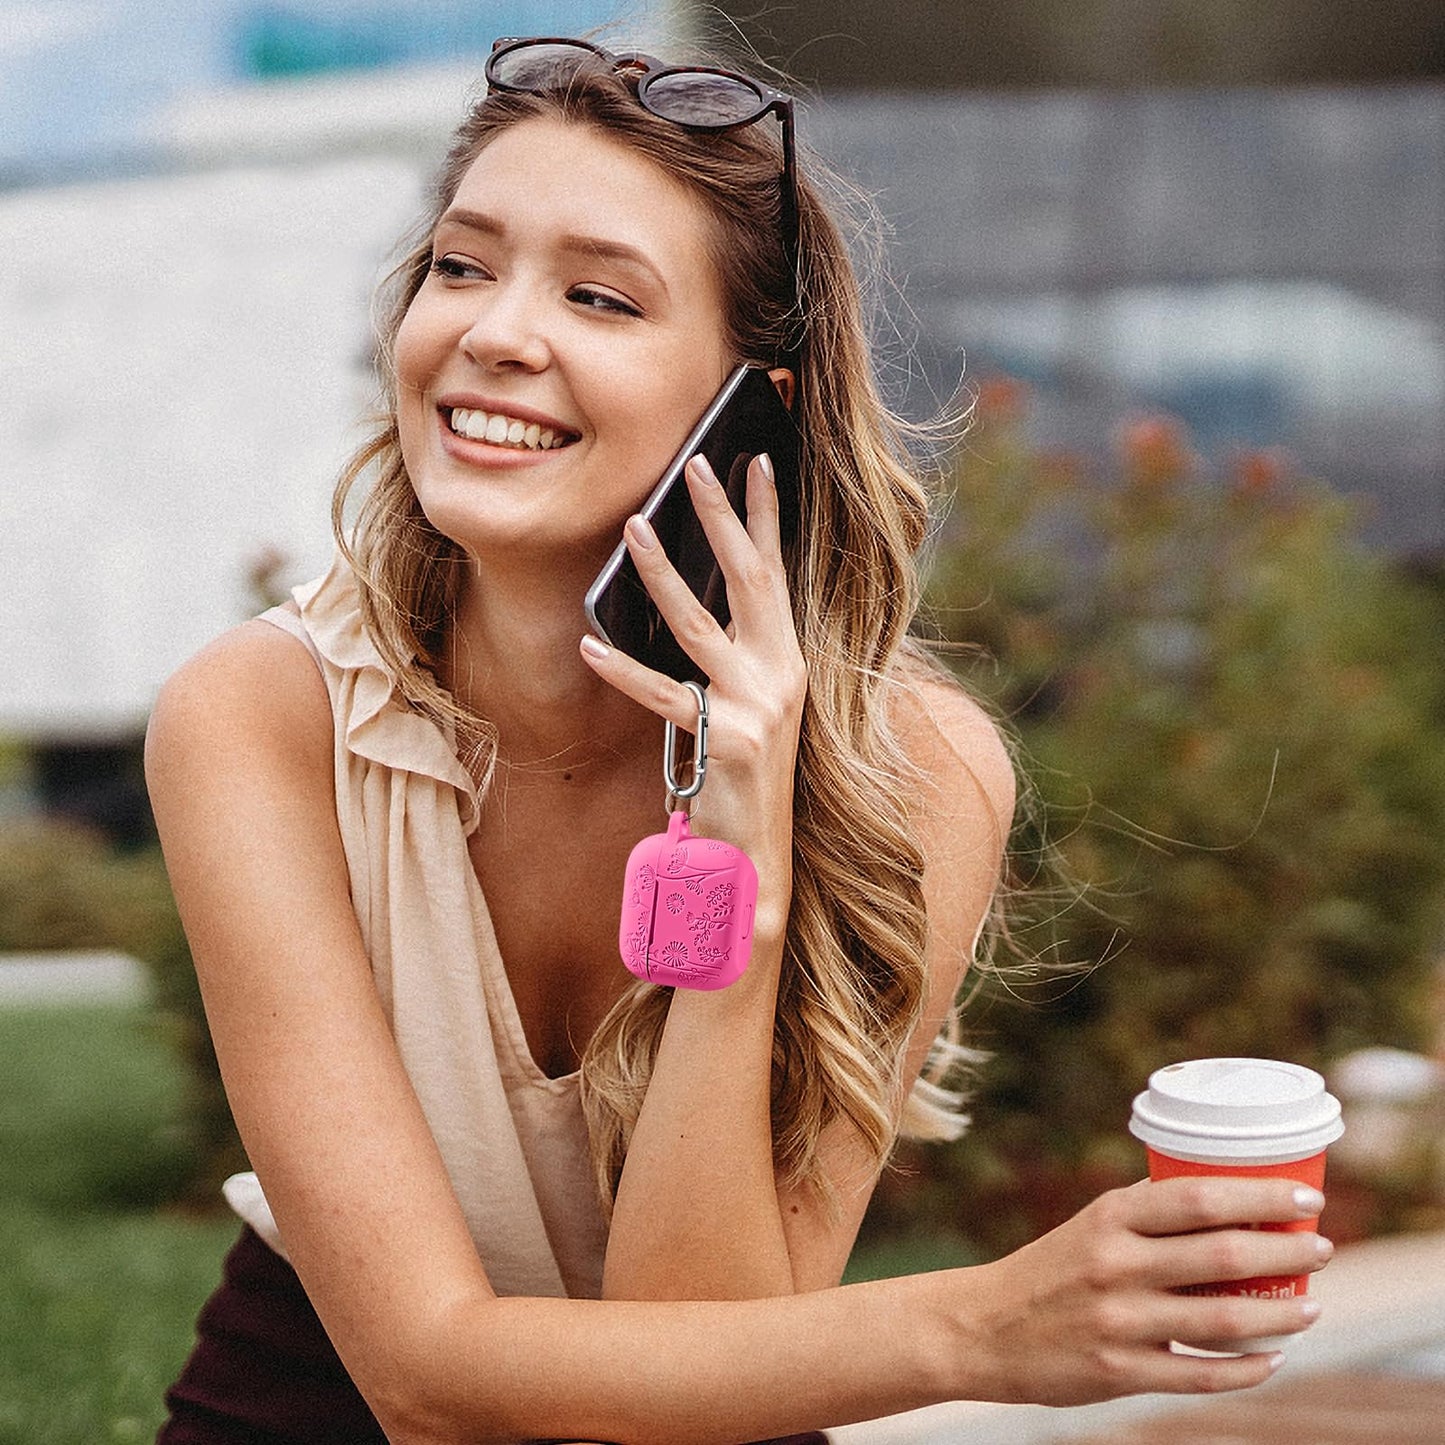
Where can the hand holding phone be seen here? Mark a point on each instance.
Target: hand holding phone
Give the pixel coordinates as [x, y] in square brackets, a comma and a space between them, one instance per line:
[745, 419]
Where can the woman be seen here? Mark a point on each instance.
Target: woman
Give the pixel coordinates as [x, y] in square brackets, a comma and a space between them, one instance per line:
[527, 1197]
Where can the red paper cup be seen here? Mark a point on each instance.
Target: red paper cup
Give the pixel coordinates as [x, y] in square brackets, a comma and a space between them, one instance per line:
[1245, 1118]
[1309, 1171]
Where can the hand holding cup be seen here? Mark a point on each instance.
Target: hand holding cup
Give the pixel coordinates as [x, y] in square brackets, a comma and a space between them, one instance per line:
[1246, 1118]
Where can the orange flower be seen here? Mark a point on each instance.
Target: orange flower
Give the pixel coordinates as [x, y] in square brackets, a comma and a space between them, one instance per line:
[1258, 472]
[1154, 449]
[1000, 401]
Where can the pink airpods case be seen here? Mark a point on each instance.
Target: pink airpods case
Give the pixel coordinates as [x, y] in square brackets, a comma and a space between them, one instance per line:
[687, 909]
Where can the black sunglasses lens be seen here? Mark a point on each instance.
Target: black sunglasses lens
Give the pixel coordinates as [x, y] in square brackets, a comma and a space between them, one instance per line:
[550, 65]
[700, 98]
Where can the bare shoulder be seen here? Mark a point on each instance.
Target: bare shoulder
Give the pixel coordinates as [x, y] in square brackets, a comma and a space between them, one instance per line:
[253, 690]
[966, 775]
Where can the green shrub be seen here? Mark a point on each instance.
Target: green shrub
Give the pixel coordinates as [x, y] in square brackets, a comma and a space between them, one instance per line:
[1234, 715]
[55, 888]
[63, 887]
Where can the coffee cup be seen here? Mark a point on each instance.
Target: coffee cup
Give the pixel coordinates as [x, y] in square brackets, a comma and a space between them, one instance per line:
[1244, 1117]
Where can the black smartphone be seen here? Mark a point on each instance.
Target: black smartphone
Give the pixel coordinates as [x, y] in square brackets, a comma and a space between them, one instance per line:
[747, 417]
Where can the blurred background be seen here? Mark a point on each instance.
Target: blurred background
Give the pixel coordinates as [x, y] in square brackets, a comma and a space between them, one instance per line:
[1186, 266]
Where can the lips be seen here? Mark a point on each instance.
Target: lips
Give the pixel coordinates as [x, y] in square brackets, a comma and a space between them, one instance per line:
[519, 429]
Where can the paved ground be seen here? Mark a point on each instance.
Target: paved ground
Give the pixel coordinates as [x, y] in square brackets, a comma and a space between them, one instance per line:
[1354, 1408]
[93, 977]
[1371, 1372]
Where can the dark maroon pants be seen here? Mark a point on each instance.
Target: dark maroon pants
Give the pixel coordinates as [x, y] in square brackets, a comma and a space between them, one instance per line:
[263, 1371]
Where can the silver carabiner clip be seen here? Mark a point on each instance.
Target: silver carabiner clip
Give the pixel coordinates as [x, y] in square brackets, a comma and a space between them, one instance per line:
[699, 752]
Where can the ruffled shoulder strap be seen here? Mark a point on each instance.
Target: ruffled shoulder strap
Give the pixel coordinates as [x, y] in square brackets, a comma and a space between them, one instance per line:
[373, 718]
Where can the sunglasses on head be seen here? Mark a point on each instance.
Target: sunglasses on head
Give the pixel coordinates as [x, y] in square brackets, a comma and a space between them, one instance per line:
[696, 97]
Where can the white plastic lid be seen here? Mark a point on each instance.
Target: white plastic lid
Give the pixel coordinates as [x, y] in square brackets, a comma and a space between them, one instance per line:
[1236, 1110]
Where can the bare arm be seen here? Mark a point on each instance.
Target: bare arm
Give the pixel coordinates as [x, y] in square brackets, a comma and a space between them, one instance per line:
[697, 1214]
[239, 759]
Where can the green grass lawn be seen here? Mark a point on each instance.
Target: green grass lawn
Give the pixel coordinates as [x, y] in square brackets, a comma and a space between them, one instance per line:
[98, 1287]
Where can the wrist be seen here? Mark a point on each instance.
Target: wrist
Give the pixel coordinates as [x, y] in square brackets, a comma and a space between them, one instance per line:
[930, 1321]
[956, 1305]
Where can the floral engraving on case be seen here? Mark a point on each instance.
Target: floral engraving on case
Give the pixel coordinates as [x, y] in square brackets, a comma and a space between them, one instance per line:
[694, 930]
[641, 884]
[634, 943]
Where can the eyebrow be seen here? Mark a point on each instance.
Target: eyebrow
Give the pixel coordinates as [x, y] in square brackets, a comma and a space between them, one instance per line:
[572, 242]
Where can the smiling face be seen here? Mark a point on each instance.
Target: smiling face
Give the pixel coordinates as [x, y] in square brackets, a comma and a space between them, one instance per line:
[564, 343]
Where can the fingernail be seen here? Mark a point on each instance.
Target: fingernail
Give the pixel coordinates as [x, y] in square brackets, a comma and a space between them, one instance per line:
[640, 530]
[701, 468]
[1275, 1361]
[1324, 1247]
[1308, 1201]
[1310, 1309]
[593, 647]
[765, 462]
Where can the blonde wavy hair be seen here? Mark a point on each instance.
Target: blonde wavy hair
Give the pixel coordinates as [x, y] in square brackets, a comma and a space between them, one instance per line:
[853, 978]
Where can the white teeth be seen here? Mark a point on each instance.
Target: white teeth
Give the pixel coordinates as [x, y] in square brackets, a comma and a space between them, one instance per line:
[502, 430]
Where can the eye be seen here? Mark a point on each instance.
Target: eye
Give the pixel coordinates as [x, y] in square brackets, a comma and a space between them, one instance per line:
[457, 268]
[592, 299]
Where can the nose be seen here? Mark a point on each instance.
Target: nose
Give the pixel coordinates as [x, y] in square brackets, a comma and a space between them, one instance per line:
[507, 331]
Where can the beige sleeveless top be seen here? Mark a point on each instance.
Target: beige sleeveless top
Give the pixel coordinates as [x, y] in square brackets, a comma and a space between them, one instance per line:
[514, 1141]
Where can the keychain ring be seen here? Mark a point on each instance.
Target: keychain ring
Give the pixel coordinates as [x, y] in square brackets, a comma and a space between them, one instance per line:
[699, 756]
